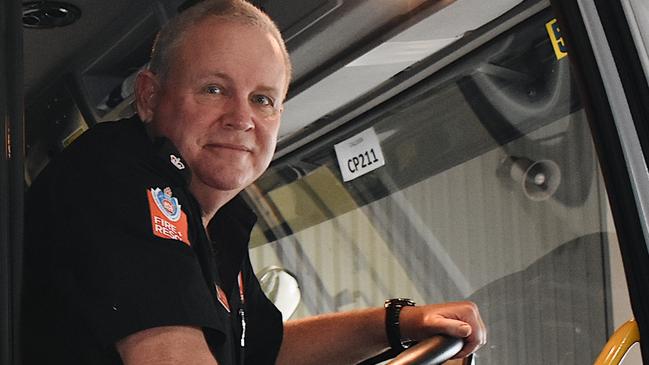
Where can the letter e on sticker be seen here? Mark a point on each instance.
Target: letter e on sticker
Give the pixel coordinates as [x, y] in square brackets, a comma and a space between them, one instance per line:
[558, 44]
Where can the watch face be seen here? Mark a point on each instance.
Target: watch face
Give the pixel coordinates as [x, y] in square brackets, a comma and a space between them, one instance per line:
[402, 302]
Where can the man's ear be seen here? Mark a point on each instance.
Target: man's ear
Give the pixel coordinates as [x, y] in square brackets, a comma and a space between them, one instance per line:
[147, 90]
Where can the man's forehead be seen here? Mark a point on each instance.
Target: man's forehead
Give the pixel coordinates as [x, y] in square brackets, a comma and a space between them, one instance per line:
[225, 23]
[192, 53]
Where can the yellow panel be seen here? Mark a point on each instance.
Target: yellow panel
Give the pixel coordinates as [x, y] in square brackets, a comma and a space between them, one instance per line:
[313, 199]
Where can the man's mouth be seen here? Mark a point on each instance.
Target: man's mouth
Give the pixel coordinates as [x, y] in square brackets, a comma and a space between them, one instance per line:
[229, 146]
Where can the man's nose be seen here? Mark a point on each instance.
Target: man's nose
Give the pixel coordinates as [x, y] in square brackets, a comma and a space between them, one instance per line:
[239, 114]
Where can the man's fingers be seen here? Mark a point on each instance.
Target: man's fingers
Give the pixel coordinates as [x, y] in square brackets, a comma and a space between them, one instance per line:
[473, 342]
[456, 319]
[463, 321]
[464, 330]
[453, 327]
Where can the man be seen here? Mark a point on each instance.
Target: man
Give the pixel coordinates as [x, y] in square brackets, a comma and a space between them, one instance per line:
[136, 241]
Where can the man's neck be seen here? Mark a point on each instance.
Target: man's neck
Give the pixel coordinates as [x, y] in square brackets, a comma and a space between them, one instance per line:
[210, 199]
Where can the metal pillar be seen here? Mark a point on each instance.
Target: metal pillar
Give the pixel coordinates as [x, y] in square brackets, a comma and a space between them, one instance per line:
[11, 176]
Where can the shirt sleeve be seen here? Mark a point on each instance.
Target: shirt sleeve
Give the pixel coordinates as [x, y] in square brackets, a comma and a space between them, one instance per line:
[119, 276]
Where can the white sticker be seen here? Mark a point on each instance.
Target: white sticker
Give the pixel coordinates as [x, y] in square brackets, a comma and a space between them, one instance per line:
[359, 155]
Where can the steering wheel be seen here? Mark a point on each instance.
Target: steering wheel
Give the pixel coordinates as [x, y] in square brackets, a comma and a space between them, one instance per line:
[432, 351]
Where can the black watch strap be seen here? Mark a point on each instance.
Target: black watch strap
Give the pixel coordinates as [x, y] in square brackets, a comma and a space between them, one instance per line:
[392, 312]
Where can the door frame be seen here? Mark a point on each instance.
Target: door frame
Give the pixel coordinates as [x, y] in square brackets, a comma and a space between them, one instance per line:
[11, 177]
[607, 68]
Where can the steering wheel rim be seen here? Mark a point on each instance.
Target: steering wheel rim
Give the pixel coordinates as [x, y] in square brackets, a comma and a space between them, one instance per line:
[431, 351]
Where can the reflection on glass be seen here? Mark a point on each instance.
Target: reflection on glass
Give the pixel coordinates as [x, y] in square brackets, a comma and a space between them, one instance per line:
[491, 191]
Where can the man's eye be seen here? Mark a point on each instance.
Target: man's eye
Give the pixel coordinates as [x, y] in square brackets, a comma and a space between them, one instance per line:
[213, 89]
[263, 100]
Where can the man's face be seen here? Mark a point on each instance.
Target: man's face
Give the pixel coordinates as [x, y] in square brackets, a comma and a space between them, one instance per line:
[220, 102]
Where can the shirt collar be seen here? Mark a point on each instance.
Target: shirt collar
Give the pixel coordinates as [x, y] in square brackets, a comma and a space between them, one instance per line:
[168, 156]
[230, 233]
[235, 216]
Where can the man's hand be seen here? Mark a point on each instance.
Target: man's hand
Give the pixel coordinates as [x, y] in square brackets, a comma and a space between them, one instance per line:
[457, 319]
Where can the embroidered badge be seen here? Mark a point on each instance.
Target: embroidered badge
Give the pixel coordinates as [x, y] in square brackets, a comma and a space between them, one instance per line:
[223, 299]
[167, 219]
[167, 204]
[176, 161]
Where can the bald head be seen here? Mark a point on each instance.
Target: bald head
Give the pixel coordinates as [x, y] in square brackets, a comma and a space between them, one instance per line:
[172, 35]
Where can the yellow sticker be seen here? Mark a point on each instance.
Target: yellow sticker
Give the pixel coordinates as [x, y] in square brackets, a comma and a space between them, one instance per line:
[555, 37]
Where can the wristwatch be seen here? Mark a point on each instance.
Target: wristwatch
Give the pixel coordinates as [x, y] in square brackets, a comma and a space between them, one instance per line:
[392, 311]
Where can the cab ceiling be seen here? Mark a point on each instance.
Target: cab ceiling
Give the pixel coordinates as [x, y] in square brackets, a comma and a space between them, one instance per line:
[316, 30]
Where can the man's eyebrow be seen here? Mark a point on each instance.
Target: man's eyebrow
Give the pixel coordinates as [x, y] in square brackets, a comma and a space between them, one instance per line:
[211, 75]
[269, 90]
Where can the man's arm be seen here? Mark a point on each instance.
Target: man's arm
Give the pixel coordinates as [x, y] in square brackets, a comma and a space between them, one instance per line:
[350, 337]
[173, 345]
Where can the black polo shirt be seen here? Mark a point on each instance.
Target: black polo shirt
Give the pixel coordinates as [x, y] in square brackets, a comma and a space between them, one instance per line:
[114, 244]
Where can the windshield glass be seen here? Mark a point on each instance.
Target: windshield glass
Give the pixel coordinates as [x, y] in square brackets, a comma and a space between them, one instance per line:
[490, 191]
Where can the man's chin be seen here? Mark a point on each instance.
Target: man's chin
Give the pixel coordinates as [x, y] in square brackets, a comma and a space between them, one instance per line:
[223, 183]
